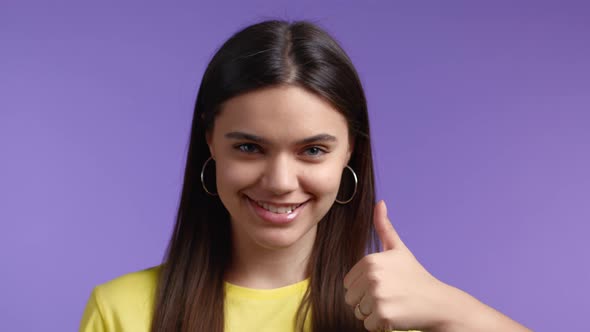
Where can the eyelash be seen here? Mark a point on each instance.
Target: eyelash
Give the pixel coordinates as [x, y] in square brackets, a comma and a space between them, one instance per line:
[240, 148]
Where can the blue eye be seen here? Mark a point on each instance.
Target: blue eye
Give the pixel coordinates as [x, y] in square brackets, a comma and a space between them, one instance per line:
[247, 148]
[314, 151]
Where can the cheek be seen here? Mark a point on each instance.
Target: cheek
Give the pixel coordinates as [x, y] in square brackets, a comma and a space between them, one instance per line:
[233, 176]
[324, 181]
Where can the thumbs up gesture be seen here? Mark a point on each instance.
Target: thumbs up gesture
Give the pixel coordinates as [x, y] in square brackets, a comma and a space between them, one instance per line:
[390, 289]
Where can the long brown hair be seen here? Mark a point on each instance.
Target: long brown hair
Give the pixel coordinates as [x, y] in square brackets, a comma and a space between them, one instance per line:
[190, 291]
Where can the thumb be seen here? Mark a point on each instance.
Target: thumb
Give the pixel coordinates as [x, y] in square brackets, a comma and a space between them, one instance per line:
[387, 234]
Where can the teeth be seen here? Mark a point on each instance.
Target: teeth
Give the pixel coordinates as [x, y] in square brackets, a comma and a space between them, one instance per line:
[277, 209]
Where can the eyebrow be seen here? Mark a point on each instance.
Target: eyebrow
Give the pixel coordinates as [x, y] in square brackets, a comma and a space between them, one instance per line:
[261, 140]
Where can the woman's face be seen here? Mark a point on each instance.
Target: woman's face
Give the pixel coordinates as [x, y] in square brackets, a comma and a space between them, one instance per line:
[279, 154]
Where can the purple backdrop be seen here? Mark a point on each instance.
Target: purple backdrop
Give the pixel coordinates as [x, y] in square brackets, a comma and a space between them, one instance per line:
[480, 116]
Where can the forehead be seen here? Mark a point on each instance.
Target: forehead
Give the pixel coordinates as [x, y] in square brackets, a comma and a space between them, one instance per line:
[281, 113]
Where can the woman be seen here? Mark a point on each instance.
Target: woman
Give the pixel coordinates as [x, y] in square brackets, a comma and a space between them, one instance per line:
[277, 210]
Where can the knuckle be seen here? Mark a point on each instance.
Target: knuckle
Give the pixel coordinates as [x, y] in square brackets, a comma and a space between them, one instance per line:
[374, 287]
[373, 278]
[370, 261]
[381, 313]
[378, 296]
[348, 298]
[385, 318]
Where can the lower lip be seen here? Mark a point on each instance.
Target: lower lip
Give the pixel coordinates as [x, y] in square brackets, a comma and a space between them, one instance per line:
[275, 218]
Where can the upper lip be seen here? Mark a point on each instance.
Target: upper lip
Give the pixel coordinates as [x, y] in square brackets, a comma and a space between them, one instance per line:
[281, 204]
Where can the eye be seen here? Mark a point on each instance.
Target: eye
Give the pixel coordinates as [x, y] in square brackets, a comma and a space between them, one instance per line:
[314, 151]
[247, 148]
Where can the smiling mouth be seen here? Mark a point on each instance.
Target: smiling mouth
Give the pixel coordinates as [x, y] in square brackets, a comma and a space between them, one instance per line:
[278, 209]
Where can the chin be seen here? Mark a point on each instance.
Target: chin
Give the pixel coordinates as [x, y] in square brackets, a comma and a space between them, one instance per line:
[281, 239]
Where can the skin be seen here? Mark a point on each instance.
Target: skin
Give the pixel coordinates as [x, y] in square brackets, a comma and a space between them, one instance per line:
[278, 170]
[391, 288]
[394, 291]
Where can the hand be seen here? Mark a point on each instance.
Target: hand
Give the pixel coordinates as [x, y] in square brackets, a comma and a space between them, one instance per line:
[391, 289]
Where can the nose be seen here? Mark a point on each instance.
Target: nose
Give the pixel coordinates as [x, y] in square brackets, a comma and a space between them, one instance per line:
[280, 175]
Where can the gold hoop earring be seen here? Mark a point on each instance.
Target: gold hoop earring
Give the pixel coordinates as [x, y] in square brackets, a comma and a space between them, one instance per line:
[203, 177]
[355, 186]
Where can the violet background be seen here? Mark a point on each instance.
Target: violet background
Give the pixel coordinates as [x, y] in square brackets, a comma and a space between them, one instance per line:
[480, 119]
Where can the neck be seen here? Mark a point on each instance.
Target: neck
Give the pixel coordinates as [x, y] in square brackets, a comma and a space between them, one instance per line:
[254, 266]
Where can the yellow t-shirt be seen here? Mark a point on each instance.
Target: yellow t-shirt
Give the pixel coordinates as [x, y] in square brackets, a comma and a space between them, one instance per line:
[126, 304]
